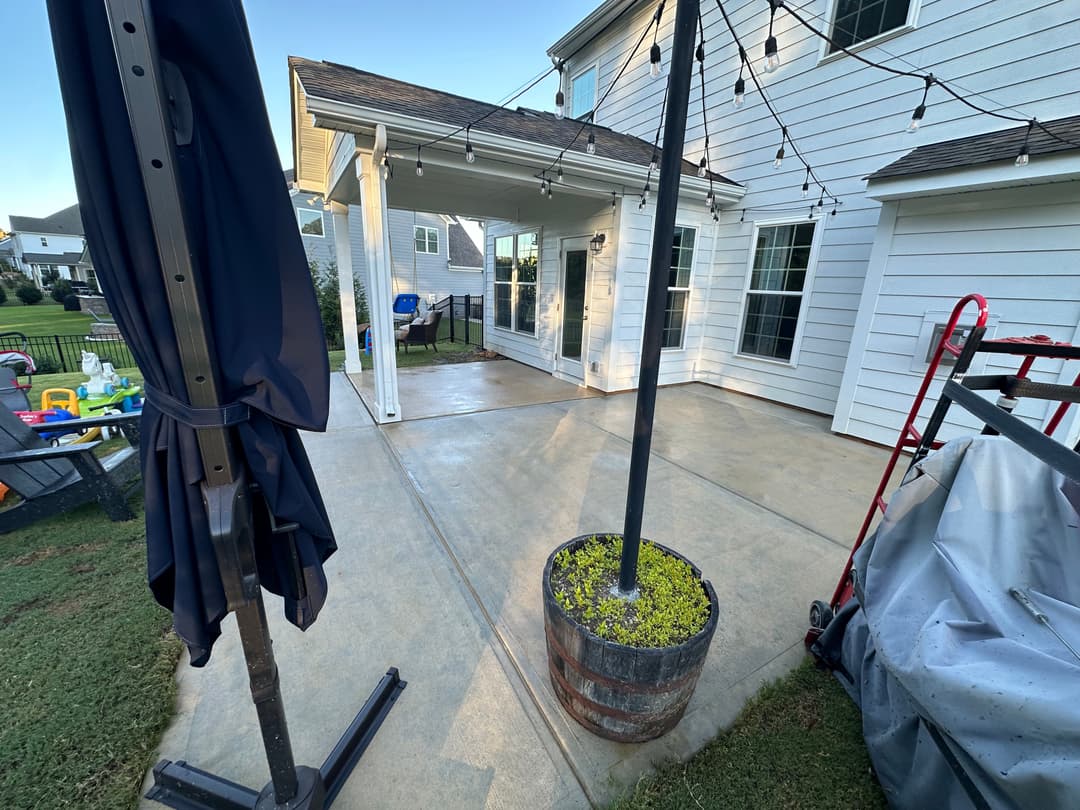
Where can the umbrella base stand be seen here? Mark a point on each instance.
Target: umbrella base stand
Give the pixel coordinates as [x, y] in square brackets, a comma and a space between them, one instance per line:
[185, 787]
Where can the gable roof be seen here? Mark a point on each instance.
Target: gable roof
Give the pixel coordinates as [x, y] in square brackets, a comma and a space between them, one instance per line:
[348, 85]
[603, 16]
[66, 221]
[463, 251]
[989, 147]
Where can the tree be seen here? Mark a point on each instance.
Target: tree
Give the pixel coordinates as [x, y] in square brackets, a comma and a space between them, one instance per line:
[325, 281]
[61, 290]
[29, 294]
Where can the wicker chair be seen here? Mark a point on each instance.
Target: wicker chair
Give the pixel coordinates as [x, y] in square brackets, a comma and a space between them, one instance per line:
[421, 332]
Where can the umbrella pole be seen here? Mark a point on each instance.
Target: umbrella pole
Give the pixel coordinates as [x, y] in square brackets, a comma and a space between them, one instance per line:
[226, 491]
[667, 201]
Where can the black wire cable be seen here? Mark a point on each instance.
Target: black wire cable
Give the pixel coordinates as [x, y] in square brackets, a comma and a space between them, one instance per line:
[589, 120]
[928, 78]
[768, 104]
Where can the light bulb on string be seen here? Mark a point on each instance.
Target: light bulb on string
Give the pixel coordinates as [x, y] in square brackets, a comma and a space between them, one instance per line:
[543, 186]
[702, 167]
[710, 199]
[549, 194]
[1024, 157]
[772, 54]
[419, 164]
[470, 156]
[654, 164]
[779, 161]
[559, 174]
[590, 145]
[740, 91]
[386, 170]
[645, 191]
[920, 110]
[613, 200]
[655, 66]
[560, 99]
[806, 184]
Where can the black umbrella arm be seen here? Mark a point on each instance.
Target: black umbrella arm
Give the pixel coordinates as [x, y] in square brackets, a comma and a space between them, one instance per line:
[228, 496]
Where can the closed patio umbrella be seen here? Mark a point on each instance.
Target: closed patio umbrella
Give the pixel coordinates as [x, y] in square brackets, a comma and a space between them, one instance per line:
[195, 244]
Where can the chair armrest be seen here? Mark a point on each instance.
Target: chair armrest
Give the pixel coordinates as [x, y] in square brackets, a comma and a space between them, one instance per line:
[118, 419]
[47, 453]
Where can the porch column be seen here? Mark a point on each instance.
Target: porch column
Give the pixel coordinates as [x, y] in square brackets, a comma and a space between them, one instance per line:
[380, 290]
[343, 253]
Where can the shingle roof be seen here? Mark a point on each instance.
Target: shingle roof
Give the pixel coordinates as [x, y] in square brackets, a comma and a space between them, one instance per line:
[989, 147]
[334, 82]
[66, 221]
[463, 251]
[72, 257]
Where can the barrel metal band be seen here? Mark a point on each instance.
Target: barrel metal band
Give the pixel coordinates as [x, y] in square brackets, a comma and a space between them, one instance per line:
[222, 416]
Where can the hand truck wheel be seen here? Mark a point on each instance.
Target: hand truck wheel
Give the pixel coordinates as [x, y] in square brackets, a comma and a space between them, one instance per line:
[820, 614]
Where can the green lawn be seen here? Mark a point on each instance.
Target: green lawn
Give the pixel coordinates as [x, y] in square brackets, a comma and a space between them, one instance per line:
[46, 318]
[416, 356]
[797, 746]
[86, 664]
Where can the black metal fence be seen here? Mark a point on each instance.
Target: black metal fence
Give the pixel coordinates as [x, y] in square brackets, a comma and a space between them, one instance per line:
[65, 351]
[462, 320]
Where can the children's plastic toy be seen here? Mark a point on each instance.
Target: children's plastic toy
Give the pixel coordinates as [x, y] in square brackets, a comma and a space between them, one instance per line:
[105, 388]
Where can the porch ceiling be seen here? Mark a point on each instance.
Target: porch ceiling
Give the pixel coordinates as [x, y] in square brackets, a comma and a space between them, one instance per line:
[513, 150]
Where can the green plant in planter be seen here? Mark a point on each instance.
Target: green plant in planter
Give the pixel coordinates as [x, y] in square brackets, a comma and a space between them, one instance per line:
[671, 606]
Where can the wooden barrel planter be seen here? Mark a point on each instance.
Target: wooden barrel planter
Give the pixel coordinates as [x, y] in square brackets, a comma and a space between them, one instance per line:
[622, 693]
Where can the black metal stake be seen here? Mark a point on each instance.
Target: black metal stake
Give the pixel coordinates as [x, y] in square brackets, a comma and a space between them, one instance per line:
[667, 200]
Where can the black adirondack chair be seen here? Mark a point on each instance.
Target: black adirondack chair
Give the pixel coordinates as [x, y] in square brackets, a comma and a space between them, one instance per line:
[52, 480]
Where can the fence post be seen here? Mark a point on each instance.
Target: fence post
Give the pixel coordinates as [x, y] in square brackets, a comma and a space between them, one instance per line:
[468, 315]
[60, 353]
[451, 318]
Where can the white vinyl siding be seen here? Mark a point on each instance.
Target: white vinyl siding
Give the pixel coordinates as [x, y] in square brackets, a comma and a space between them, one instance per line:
[1018, 247]
[849, 121]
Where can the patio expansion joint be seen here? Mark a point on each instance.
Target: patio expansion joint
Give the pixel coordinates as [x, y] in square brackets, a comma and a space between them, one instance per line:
[718, 485]
[503, 643]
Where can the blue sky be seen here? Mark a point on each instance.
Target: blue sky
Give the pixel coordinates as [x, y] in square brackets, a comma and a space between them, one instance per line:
[484, 49]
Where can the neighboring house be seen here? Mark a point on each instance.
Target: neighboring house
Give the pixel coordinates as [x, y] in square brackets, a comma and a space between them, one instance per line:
[55, 242]
[434, 255]
[833, 314]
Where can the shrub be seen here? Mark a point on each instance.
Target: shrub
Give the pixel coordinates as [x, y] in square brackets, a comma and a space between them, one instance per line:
[3, 294]
[71, 303]
[325, 281]
[61, 290]
[28, 294]
[671, 606]
[47, 365]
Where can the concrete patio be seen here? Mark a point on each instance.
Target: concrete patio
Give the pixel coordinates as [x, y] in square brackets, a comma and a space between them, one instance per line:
[444, 524]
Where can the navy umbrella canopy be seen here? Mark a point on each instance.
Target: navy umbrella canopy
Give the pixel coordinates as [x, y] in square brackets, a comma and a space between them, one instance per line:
[265, 333]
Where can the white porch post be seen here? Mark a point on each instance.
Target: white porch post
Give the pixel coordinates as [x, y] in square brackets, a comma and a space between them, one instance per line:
[379, 287]
[343, 254]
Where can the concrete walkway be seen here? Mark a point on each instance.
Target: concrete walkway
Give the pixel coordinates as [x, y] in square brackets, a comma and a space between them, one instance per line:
[444, 525]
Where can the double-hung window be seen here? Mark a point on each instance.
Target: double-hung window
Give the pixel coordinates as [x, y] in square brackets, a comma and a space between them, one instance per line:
[856, 21]
[426, 239]
[311, 221]
[583, 93]
[678, 296]
[516, 271]
[774, 294]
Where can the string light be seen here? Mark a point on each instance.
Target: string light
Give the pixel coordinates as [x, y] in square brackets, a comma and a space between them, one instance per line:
[645, 191]
[560, 99]
[654, 164]
[742, 216]
[559, 174]
[614, 200]
[387, 169]
[772, 54]
[806, 184]
[1024, 157]
[549, 194]
[740, 83]
[590, 145]
[821, 199]
[702, 167]
[920, 110]
[543, 186]
[656, 68]
[780, 152]
[470, 156]
[811, 214]
[835, 203]
[419, 164]
[710, 199]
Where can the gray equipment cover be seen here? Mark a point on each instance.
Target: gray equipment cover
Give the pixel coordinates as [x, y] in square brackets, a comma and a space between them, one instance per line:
[967, 700]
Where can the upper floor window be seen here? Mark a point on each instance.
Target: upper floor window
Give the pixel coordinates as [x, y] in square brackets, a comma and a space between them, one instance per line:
[311, 223]
[856, 21]
[583, 93]
[682, 262]
[774, 292]
[427, 239]
[44, 242]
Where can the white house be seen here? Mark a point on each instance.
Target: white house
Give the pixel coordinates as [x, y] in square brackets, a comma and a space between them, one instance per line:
[53, 242]
[776, 298]
[434, 255]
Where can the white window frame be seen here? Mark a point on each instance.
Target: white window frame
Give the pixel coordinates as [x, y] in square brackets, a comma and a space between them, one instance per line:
[688, 289]
[595, 66]
[808, 286]
[300, 221]
[514, 283]
[910, 24]
[428, 230]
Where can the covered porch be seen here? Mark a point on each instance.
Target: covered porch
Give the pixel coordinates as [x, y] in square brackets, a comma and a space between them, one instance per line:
[571, 303]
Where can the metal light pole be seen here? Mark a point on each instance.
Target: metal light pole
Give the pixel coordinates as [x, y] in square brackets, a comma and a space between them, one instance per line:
[667, 199]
